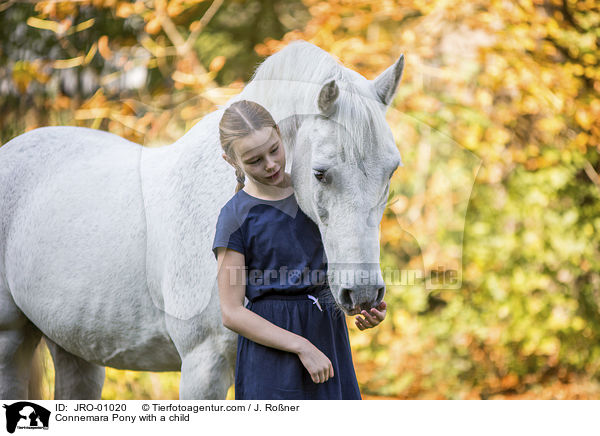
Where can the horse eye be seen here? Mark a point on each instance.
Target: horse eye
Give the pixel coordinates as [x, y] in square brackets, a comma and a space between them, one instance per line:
[320, 176]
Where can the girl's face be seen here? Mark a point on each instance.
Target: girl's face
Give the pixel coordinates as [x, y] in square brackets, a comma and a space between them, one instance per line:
[261, 156]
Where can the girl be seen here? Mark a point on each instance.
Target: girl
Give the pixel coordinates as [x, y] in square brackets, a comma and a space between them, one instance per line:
[293, 343]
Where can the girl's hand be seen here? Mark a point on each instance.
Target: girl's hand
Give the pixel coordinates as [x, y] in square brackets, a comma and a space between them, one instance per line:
[316, 363]
[373, 319]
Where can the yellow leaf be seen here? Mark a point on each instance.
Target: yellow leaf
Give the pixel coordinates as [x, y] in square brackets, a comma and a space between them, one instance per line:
[89, 114]
[191, 112]
[484, 98]
[583, 118]
[62, 64]
[589, 59]
[22, 76]
[184, 78]
[551, 125]
[529, 105]
[497, 135]
[43, 24]
[82, 26]
[581, 141]
[90, 55]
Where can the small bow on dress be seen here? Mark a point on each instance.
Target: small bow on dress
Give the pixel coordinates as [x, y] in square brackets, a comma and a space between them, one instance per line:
[316, 301]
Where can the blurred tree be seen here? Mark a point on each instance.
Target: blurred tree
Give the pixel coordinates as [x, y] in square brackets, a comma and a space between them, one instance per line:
[517, 84]
[128, 66]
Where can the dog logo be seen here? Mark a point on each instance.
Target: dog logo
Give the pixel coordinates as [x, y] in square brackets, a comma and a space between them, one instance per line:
[26, 415]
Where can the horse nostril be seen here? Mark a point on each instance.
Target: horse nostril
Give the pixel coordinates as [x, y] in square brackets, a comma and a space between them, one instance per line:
[345, 297]
[380, 294]
[365, 306]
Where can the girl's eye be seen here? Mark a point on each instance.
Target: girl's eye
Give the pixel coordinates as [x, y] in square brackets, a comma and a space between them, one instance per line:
[275, 149]
[254, 162]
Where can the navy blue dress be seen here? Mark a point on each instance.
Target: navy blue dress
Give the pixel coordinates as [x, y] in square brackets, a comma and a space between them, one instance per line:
[285, 284]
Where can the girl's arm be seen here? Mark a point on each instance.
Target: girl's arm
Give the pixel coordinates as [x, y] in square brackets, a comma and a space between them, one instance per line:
[232, 289]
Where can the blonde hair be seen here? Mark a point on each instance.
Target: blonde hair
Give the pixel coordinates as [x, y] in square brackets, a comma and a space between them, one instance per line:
[239, 120]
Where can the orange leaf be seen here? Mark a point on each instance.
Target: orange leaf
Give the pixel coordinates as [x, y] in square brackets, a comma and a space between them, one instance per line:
[124, 9]
[103, 48]
[217, 63]
[153, 26]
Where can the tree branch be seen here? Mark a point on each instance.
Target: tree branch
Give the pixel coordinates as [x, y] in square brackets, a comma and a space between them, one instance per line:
[591, 173]
[176, 39]
[169, 27]
[5, 5]
[210, 12]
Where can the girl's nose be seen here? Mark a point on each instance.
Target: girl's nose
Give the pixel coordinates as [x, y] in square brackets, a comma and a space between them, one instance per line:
[269, 164]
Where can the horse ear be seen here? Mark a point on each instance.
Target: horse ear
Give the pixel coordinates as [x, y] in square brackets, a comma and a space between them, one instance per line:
[327, 97]
[387, 82]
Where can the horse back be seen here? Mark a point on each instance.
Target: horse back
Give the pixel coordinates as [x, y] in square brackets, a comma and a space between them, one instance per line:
[34, 159]
[73, 236]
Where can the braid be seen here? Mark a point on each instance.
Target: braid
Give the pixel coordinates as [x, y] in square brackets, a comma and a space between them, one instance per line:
[240, 177]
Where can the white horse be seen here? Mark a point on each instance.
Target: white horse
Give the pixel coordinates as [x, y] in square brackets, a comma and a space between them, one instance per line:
[105, 246]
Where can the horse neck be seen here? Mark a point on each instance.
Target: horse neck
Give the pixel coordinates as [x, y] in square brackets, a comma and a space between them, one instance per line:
[201, 137]
[191, 161]
[198, 146]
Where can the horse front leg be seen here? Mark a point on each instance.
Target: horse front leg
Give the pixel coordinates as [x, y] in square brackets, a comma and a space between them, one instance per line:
[207, 370]
[207, 351]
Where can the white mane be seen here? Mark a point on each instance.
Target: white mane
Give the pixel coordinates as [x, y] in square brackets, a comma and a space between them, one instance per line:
[288, 83]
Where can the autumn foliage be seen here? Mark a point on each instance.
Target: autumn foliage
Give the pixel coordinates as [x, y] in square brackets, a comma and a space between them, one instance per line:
[496, 118]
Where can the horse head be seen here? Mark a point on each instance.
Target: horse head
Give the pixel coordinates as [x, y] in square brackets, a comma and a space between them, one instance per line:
[343, 160]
